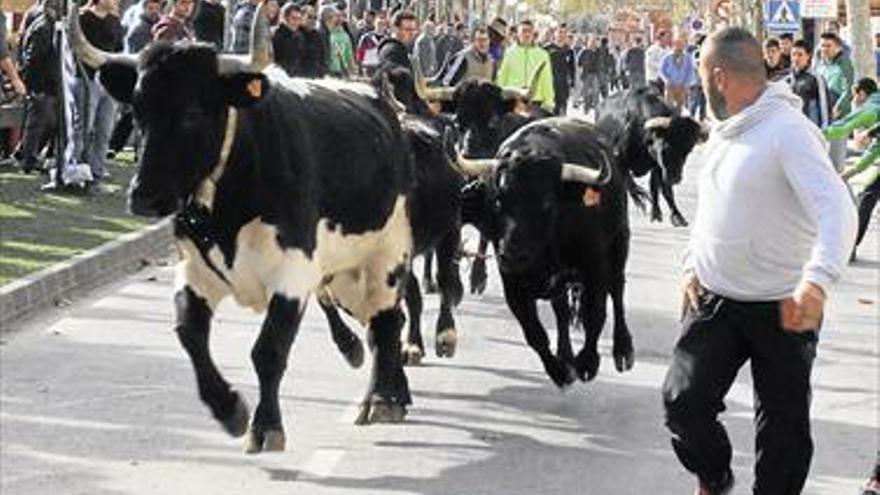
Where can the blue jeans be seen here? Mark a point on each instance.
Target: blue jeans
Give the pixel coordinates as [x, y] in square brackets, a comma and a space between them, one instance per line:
[92, 126]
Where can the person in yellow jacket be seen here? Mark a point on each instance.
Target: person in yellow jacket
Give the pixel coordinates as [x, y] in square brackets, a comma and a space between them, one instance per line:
[522, 61]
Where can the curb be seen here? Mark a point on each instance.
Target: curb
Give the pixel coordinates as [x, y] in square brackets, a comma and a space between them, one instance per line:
[82, 273]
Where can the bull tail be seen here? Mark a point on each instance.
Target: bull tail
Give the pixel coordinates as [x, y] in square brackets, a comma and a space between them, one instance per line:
[638, 194]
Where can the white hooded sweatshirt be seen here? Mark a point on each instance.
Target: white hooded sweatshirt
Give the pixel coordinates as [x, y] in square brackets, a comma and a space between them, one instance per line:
[771, 209]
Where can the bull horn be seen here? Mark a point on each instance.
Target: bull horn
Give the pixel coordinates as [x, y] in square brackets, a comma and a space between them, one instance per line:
[427, 93]
[476, 167]
[655, 123]
[388, 91]
[259, 51]
[258, 56]
[572, 172]
[533, 83]
[89, 54]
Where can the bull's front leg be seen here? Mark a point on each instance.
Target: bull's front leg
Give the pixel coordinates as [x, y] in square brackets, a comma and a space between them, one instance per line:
[524, 308]
[656, 183]
[269, 356]
[562, 311]
[478, 276]
[593, 314]
[675, 215]
[428, 272]
[451, 291]
[193, 328]
[348, 343]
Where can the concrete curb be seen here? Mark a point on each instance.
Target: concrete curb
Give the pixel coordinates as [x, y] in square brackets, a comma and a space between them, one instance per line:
[82, 273]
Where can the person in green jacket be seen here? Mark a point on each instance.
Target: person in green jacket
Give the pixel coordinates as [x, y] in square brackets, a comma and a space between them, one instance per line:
[340, 61]
[522, 61]
[835, 67]
[866, 115]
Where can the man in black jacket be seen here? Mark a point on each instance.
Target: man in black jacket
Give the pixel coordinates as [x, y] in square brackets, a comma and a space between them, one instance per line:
[562, 63]
[208, 22]
[312, 59]
[40, 71]
[287, 40]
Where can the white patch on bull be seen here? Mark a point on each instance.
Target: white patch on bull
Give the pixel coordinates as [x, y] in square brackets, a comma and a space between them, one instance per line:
[355, 267]
[277, 75]
[304, 87]
[339, 85]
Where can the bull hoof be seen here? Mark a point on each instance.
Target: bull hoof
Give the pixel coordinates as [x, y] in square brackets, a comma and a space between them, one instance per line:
[236, 424]
[380, 411]
[624, 354]
[430, 286]
[656, 216]
[587, 365]
[678, 220]
[445, 343]
[412, 354]
[265, 441]
[560, 372]
[355, 354]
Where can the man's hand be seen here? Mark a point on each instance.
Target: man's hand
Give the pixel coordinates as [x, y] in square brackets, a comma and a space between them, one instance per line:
[848, 174]
[691, 290]
[803, 311]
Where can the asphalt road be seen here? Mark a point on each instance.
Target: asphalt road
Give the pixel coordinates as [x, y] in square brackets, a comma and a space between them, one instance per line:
[99, 398]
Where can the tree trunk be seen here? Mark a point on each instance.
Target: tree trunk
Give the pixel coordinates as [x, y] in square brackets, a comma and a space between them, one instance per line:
[858, 18]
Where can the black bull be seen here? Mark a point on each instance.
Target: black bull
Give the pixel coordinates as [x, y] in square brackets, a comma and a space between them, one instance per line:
[551, 229]
[310, 192]
[651, 139]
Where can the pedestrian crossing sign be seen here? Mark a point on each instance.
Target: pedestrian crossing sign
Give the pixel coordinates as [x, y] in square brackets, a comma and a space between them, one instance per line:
[783, 16]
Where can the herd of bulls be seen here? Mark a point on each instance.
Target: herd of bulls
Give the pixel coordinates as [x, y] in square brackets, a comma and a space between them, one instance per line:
[287, 188]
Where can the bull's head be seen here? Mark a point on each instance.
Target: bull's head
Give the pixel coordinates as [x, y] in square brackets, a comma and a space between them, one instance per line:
[518, 201]
[670, 141]
[181, 96]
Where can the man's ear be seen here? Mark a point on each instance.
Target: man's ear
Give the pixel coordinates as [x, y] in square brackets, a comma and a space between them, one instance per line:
[244, 89]
[118, 79]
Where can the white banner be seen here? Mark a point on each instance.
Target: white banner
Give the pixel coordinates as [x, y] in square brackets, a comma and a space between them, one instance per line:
[818, 9]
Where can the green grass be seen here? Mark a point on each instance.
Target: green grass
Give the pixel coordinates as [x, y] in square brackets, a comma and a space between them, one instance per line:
[40, 228]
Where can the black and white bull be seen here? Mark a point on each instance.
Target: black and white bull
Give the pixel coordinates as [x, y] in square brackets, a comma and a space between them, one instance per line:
[554, 205]
[282, 188]
[435, 211]
[651, 139]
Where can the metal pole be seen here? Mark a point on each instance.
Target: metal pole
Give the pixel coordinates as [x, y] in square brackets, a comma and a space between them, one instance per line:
[61, 101]
[858, 18]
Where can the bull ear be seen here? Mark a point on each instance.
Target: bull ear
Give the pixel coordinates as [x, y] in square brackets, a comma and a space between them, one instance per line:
[118, 79]
[244, 89]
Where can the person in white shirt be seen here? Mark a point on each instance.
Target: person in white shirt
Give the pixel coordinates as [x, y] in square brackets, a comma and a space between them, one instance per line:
[654, 58]
[773, 231]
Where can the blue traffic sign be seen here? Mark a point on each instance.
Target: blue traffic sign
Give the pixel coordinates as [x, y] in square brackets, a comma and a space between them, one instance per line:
[783, 16]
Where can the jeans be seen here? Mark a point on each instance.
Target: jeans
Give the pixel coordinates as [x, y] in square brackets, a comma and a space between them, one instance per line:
[697, 103]
[92, 127]
[717, 340]
[41, 124]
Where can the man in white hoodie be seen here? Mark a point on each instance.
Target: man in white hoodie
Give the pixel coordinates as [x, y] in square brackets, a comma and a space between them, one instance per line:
[773, 230]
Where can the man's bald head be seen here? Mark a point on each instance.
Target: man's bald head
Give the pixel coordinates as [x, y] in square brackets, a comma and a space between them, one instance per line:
[737, 52]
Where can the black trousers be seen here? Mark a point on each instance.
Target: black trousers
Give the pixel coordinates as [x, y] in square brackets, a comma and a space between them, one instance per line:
[716, 341]
[866, 201]
[123, 129]
[41, 124]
